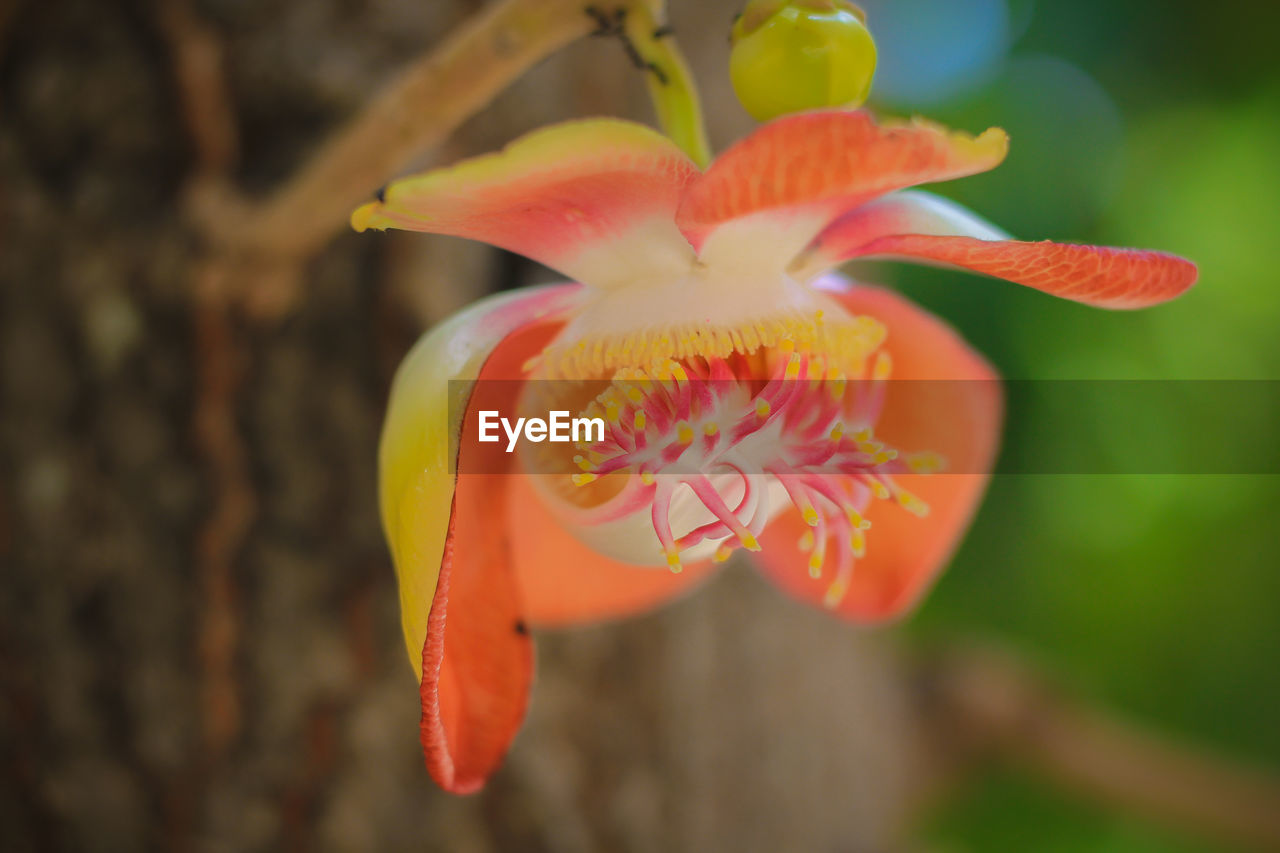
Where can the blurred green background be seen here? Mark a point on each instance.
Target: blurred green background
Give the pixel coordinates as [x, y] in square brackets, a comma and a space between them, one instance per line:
[1149, 124]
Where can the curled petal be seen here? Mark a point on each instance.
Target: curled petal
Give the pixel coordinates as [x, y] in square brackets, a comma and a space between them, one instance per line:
[460, 606]
[957, 413]
[594, 199]
[794, 175]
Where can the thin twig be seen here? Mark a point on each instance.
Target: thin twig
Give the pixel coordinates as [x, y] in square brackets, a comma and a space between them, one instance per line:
[416, 111]
[985, 699]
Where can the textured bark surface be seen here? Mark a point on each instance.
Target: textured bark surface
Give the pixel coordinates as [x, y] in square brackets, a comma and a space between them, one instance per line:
[128, 719]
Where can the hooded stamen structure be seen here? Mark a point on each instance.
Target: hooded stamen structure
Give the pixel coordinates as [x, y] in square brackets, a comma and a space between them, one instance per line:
[726, 429]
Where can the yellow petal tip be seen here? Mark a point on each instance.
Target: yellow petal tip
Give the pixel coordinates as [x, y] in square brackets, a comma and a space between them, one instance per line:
[362, 216]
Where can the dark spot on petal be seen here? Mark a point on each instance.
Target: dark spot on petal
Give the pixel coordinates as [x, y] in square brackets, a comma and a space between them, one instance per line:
[521, 628]
[381, 194]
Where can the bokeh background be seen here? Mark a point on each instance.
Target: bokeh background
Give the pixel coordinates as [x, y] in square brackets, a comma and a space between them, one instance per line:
[175, 678]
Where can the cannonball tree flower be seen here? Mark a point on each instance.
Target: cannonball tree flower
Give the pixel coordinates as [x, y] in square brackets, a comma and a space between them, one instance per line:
[743, 387]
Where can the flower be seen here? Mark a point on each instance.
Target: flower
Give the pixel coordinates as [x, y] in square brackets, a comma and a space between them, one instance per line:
[743, 387]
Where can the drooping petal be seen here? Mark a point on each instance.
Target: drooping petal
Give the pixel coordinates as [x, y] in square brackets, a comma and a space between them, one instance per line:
[593, 199]
[782, 184]
[1095, 275]
[563, 582]
[459, 599]
[956, 413]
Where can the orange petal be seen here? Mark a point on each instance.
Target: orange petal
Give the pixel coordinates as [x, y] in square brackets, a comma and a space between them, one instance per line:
[959, 419]
[416, 477]
[594, 199]
[477, 661]
[459, 598]
[563, 582]
[808, 168]
[1095, 275]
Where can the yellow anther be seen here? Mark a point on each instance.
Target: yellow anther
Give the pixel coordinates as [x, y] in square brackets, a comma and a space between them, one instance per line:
[883, 366]
[925, 463]
[639, 420]
[679, 372]
[856, 519]
[870, 447]
[835, 594]
[582, 463]
[647, 478]
[879, 490]
[837, 382]
[858, 542]
[810, 516]
[673, 561]
[837, 431]
[862, 435]
[722, 553]
[684, 433]
[634, 395]
[793, 367]
[815, 565]
[806, 541]
[710, 429]
[763, 408]
[786, 345]
[583, 479]
[611, 413]
[912, 504]
[884, 456]
[750, 542]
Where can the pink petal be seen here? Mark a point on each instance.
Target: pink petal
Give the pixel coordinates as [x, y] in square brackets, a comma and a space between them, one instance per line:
[1095, 275]
[594, 199]
[807, 168]
[957, 413]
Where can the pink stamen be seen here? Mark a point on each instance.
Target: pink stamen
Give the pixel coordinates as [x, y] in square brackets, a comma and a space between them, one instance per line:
[680, 423]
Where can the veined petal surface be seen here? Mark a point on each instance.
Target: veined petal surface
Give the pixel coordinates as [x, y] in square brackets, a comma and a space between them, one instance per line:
[1101, 276]
[791, 177]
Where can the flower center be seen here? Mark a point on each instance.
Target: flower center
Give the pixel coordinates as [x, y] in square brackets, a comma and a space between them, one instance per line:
[719, 443]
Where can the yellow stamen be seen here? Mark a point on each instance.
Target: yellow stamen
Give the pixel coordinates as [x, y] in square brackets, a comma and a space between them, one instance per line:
[883, 367]
[912, 504]
[835, 594]
[793, 367]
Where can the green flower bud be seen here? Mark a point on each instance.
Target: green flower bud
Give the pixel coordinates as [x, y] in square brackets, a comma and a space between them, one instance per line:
[801, 55]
